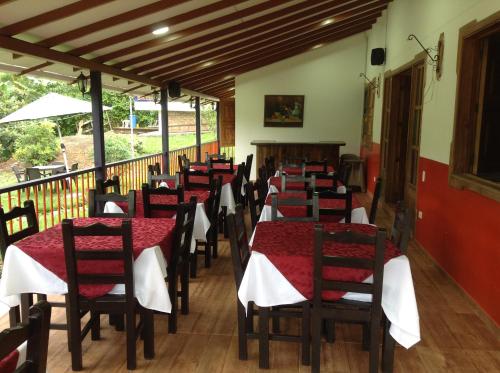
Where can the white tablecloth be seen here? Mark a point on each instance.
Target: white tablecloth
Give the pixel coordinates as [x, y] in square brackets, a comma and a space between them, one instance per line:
[264, 284]
[22, 274]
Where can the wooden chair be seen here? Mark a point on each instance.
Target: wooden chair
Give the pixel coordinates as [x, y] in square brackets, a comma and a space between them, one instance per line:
[346, 212]
[238, 182]
[312, 205]
[19, 173]
[211, 244]
[197, 185]
[270, 166]
[150, 207]
[179, 262]
[309, 182]
[240, 255]
[223, 161]
[401, 228]
[256, 204]
[102, 186]
[183, 162]
[6, 239]
[375, 199]
[97, 202]
[126, 304]
[32, 174]
[214, 156]
[36, 333]
[155, 179]
[155, 169]
[323, 163]
[248, 167]
[262, 173]
[345, 173]
[334, 178]
[369, 313]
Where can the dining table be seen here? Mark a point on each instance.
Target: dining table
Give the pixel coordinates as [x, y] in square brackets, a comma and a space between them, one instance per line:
[297, 170]
[280, 272]
[275, 184]
[36, 264]
[50, 169]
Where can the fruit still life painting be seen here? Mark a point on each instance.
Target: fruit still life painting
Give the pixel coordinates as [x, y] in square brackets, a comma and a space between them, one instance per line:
[283, 111]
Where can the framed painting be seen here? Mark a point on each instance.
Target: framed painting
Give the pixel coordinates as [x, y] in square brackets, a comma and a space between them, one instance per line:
[283, 111]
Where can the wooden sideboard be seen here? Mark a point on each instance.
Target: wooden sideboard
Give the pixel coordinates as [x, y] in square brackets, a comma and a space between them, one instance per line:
[311, 150]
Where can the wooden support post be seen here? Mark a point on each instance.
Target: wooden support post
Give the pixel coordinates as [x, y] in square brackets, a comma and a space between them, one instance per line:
[198, 129]
[164, 133]
[217, 116]
[97, 124]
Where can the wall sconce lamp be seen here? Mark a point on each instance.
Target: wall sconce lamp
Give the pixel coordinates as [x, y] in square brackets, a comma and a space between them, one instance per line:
[156, 97]
[83, 84]
[437, 60]
[374, 83]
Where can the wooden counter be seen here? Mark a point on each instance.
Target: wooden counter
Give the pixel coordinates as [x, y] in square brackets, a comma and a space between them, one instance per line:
[311, 150]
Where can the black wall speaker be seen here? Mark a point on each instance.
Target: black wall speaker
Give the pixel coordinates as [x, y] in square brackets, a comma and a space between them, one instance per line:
[378, 56]
[174, 89]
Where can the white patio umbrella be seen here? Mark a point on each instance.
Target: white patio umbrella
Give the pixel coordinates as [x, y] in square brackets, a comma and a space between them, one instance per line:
[51, 105]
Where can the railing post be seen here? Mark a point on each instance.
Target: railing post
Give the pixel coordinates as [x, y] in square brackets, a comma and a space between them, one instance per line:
[198, 129]
[164, 128]
[217, 121]
[97, 123]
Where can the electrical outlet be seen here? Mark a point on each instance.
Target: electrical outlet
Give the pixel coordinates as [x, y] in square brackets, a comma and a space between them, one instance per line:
[423, 176]
[420, 214]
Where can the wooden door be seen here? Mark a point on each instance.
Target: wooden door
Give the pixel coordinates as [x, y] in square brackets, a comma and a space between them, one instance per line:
[227, 120]
[414, 129]
[384, 136]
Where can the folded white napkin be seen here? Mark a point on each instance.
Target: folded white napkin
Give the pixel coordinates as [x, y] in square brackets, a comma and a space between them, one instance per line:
[164, 184]
[112, 208]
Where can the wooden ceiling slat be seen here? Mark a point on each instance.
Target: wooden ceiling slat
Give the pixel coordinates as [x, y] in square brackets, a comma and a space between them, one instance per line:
[24, 47]
[144, 30]
[192, 30]
[274, 58]
[134, 88]
[34, 68]
[221, 33]
[288, 44]
[196, 64]
[50, 16]
[110, 22]
[218, 85]
[287, 25]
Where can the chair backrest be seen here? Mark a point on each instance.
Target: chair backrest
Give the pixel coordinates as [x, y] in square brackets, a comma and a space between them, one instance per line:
[262, 171]
[312, 205]
[183, 162]
[375, 199]
[214, 156]
[189, 184]
[18, 172]
[309, 182]
[149, 206]
[36, 333]
[270, 166]
[248, 166]
[323, 164]
[262, 190]
[75, 255]
[28, 211]
[238, 240]
[323, 260]
[155, 179]
[238, 182]
[155, 169]
[255, 203]
[74, 167]
[346, 212]
[97, 203]
[33, 173]
[184, 223]
[102, 186]
[401, 228]
[213, 201]
[213, 161]
[334, 177]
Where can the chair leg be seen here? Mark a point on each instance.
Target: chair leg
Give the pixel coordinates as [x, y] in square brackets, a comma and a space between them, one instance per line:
[208, 250]
[374, 344]
[131, 340]
[388, 345]
[185, 289]
[249, 317]
[366, 337]
[242, 332]
[26, 303]
[306, 334]
[193, 266]
[316, 340]
[95, 331]
[14, 316]
[224, 224]
[172, 318]
[275, 322]
[263, 337]
[149, 334]
[329, 330]
[74, 335]
[215, 244]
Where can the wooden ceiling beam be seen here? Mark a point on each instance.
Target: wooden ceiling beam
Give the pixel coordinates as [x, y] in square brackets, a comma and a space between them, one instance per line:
[216, 22]
[196, 64]
[218, 85]
[134, 88]
[23, 47]
[264, 52]
[50, 16]
[270, 17]
[148, 29]
[34, 68]
[291, 24]
[274, 58]
[110, 22]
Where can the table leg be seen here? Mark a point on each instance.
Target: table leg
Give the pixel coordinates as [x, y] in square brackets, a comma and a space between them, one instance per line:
[263, 337]
[26, 303]
[14, 316]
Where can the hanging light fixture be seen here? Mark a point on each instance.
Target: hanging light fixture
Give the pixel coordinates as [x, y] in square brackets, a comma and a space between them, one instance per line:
[82, 81]
[156, 97]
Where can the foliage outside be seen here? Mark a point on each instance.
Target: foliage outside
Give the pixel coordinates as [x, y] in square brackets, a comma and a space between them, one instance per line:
[37, 144]
[117, 148]
[7, 142]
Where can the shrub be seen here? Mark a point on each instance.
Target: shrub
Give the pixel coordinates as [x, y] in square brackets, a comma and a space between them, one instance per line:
[116, 148]
[8, 138]
[37, 144]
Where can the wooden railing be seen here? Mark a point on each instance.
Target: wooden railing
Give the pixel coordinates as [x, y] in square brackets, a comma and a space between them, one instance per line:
[65, 195]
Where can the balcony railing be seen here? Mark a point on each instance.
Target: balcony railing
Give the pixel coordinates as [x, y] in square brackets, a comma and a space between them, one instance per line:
[65, 195]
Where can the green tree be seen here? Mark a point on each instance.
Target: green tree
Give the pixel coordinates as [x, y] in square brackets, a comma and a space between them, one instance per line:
[41, 151]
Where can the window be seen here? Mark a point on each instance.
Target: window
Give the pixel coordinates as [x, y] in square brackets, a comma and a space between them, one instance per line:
[475, 162]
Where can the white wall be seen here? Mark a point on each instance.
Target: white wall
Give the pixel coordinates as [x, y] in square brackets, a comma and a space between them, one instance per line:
[427, 19]
[333, 104]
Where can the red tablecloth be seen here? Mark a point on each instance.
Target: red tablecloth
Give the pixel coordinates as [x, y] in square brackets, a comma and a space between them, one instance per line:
[47, 247]
[290, 247]
[201, 197]
[8, 363]
[291, 185]
[298, 211]
[298, 170]
[221, 166]
[226, 178]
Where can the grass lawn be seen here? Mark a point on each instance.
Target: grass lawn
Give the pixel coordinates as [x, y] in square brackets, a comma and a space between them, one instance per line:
[152, 144]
